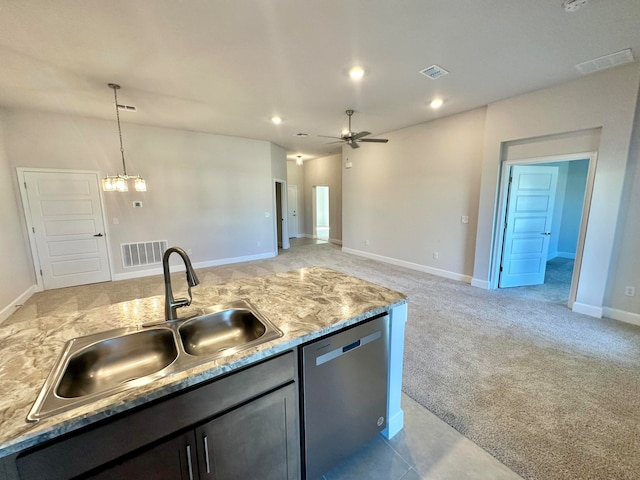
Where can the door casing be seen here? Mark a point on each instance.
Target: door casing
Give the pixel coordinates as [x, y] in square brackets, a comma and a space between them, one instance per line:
[501, 212]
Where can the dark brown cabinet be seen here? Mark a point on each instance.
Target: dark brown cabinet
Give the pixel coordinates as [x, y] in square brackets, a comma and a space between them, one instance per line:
[169, 460]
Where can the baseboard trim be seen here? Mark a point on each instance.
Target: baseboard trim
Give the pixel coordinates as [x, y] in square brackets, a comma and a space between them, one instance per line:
[19, 300]
[586, 309]
[335, 241]
[180, 268]
[413, 266]
[621, 315]
[476, 282]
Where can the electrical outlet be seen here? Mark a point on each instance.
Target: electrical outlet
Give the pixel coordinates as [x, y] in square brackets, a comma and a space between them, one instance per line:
[366, 243]
[436, 255]
[464, 219]
[630, 291]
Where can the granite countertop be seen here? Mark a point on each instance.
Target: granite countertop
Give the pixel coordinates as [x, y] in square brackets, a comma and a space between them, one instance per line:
[304, 304]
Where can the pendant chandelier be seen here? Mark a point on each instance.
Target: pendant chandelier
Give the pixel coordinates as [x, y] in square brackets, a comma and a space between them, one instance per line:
[120, 182]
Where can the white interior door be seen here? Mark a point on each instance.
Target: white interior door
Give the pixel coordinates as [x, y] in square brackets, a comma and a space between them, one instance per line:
[530, 203]
[292, 202]
[68, 228]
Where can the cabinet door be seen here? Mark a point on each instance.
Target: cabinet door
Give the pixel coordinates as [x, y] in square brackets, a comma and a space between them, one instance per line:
[173, 459]
[257, 440]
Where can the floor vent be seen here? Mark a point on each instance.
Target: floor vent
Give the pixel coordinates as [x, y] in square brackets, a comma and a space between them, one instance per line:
[145, 253]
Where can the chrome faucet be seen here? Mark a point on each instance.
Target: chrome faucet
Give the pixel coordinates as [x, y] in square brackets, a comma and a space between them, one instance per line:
[171, 304]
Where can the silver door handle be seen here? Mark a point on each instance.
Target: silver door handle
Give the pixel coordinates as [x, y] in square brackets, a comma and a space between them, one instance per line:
[206, 454]
[189, 462]
[546, 233]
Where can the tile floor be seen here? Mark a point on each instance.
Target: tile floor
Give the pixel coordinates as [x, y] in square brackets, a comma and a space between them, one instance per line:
[427, 449]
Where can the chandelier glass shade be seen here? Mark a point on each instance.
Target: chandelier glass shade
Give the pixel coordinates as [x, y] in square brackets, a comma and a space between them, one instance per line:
[120, 182]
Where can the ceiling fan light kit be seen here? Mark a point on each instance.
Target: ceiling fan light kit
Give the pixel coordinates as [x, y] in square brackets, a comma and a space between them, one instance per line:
[120, 182]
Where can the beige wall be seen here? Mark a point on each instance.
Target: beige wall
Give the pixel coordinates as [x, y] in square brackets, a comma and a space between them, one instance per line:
[625, 264]
[207, 193]
[324, 171]
[607, 101]
[16, 269]
[404, 200]
[295, 177]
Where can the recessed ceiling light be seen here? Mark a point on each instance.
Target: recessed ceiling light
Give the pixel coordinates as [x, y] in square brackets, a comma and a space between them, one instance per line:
[436, 103]
[356, 73]
[276, 119]
[298, 160]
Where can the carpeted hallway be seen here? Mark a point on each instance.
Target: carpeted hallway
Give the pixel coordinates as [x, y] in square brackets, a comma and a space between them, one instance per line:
[550, 393]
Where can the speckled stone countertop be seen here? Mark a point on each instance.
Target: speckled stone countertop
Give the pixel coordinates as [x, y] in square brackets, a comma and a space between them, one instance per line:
[304, 304]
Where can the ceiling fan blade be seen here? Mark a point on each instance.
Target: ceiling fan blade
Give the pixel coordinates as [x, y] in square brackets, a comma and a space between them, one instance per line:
[356, 136]
[354, 145]
[328, 136]
[374, 140]
[331, 143]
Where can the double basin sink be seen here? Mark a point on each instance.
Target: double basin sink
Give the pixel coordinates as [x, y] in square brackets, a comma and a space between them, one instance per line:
[96, 366]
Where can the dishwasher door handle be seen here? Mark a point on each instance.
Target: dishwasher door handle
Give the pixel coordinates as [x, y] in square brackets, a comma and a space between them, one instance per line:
[338, 352]
[351, 346]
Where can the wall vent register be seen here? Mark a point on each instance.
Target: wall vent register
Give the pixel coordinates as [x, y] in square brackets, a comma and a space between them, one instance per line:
[143, 253]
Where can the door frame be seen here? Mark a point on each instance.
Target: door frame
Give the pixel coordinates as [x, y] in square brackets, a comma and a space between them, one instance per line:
[501, 212]
[283, 208]
[29, 221]
[314, 210]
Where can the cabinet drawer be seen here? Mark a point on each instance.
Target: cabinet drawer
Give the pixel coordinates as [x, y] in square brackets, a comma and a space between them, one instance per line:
[107, 440]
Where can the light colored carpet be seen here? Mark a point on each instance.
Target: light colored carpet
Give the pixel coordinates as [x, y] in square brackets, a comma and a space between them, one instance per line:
[550, 393]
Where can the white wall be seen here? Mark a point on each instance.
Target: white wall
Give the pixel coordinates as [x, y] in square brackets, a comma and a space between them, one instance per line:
[605, 100]
[16, 270]
[404, 200]
[208, 193]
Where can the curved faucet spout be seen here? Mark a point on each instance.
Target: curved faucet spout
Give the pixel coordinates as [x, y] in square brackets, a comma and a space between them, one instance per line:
[171, 304]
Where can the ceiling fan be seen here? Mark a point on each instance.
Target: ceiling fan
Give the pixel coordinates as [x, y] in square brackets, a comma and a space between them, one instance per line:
[353, 138]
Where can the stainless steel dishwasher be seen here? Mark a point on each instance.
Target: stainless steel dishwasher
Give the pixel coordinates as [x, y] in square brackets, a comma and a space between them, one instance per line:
[344, 393]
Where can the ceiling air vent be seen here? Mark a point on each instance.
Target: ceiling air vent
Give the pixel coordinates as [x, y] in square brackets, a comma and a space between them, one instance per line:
[606, 61]
[434, 72]
[127, 108]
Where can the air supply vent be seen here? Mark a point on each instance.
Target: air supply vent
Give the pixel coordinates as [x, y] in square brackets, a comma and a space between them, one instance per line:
[606, 61]
[127, 108]
[144, 253]
[434, 72]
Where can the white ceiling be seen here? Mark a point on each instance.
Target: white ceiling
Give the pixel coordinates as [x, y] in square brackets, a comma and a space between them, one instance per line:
[228, 66]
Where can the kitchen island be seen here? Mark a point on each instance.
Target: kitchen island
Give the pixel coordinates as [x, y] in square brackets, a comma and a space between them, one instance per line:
[304, 304]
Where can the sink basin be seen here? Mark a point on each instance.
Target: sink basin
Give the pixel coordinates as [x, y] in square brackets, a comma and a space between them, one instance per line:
[109, 363]
[96, 366]
[218, 332]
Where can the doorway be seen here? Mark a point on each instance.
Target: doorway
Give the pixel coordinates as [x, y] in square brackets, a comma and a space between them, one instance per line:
[321, 229]
[280, 203]
[66, 226]
[543, 247]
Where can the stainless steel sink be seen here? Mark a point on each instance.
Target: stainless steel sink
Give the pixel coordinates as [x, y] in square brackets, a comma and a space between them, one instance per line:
[225, 331]
[96, 366]
[109, 363]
